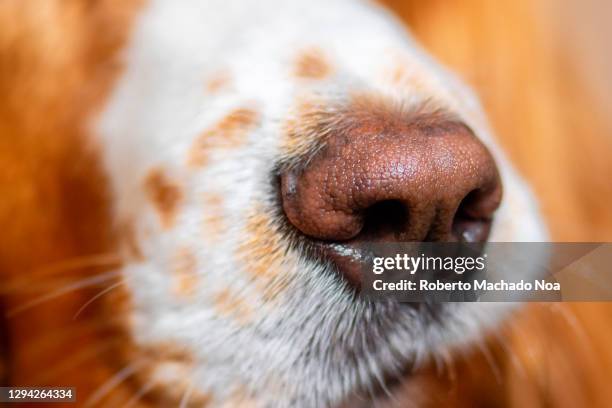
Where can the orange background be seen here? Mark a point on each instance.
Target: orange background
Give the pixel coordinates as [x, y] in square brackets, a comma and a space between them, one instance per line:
[543, 70]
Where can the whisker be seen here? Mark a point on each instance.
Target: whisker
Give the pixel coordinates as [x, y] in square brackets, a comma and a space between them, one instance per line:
[449, 363]
[186, 396]
[518, 364]
[80, 262]
[571, 320]
[371, 395]
[67, 265]
[74, 360]
[80, 284]
[486, 352]
[142, 391]
[111, 383]
[54, 337]
[383, 386]
[97, 296]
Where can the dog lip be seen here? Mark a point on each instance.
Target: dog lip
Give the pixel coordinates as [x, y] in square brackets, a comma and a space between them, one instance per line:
[348, 257]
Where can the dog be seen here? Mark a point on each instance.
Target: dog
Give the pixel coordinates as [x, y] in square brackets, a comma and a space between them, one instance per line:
[172, 167]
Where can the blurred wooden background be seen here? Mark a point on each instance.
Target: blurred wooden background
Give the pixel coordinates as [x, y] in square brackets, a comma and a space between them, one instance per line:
[543, 69]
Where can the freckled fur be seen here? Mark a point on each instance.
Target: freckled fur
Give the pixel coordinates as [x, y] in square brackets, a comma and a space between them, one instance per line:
[232, 149]
[214, 216]
[164, 194]
[218, 82]
[185, 273]
[155, 118]
[231, 305]
[312, 64]
[228, 133]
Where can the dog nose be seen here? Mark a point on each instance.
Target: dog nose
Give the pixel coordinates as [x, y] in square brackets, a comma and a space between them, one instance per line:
[427, 179]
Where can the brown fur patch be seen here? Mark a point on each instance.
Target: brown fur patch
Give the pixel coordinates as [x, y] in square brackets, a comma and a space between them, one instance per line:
[229, 132]
[234, 306]
[303, 129]
[214, 220]
[262, 254]
[164, 194]
[130, 241]
[312, 64]
[263, 247]
[185, 272]
[219, 81]
[408, 81]
[168, 352]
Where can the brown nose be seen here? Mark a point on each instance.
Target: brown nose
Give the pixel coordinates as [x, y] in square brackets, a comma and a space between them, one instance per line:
[427, 179]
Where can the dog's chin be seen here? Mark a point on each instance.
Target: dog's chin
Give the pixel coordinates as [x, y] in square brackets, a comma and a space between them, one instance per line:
[384, 394]
[442, 329]
[432, 338]
[429, 329]
[395, 337]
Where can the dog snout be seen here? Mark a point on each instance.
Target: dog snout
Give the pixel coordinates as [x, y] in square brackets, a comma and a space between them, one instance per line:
[385, 177]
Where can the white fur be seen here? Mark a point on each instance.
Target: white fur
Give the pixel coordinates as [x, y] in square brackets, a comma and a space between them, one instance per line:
[287, 355]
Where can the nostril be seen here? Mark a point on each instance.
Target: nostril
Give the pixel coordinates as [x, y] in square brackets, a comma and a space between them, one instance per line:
[470, 230]
[472, 221]
[381, 178]
[468, 205]
[385, 220]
